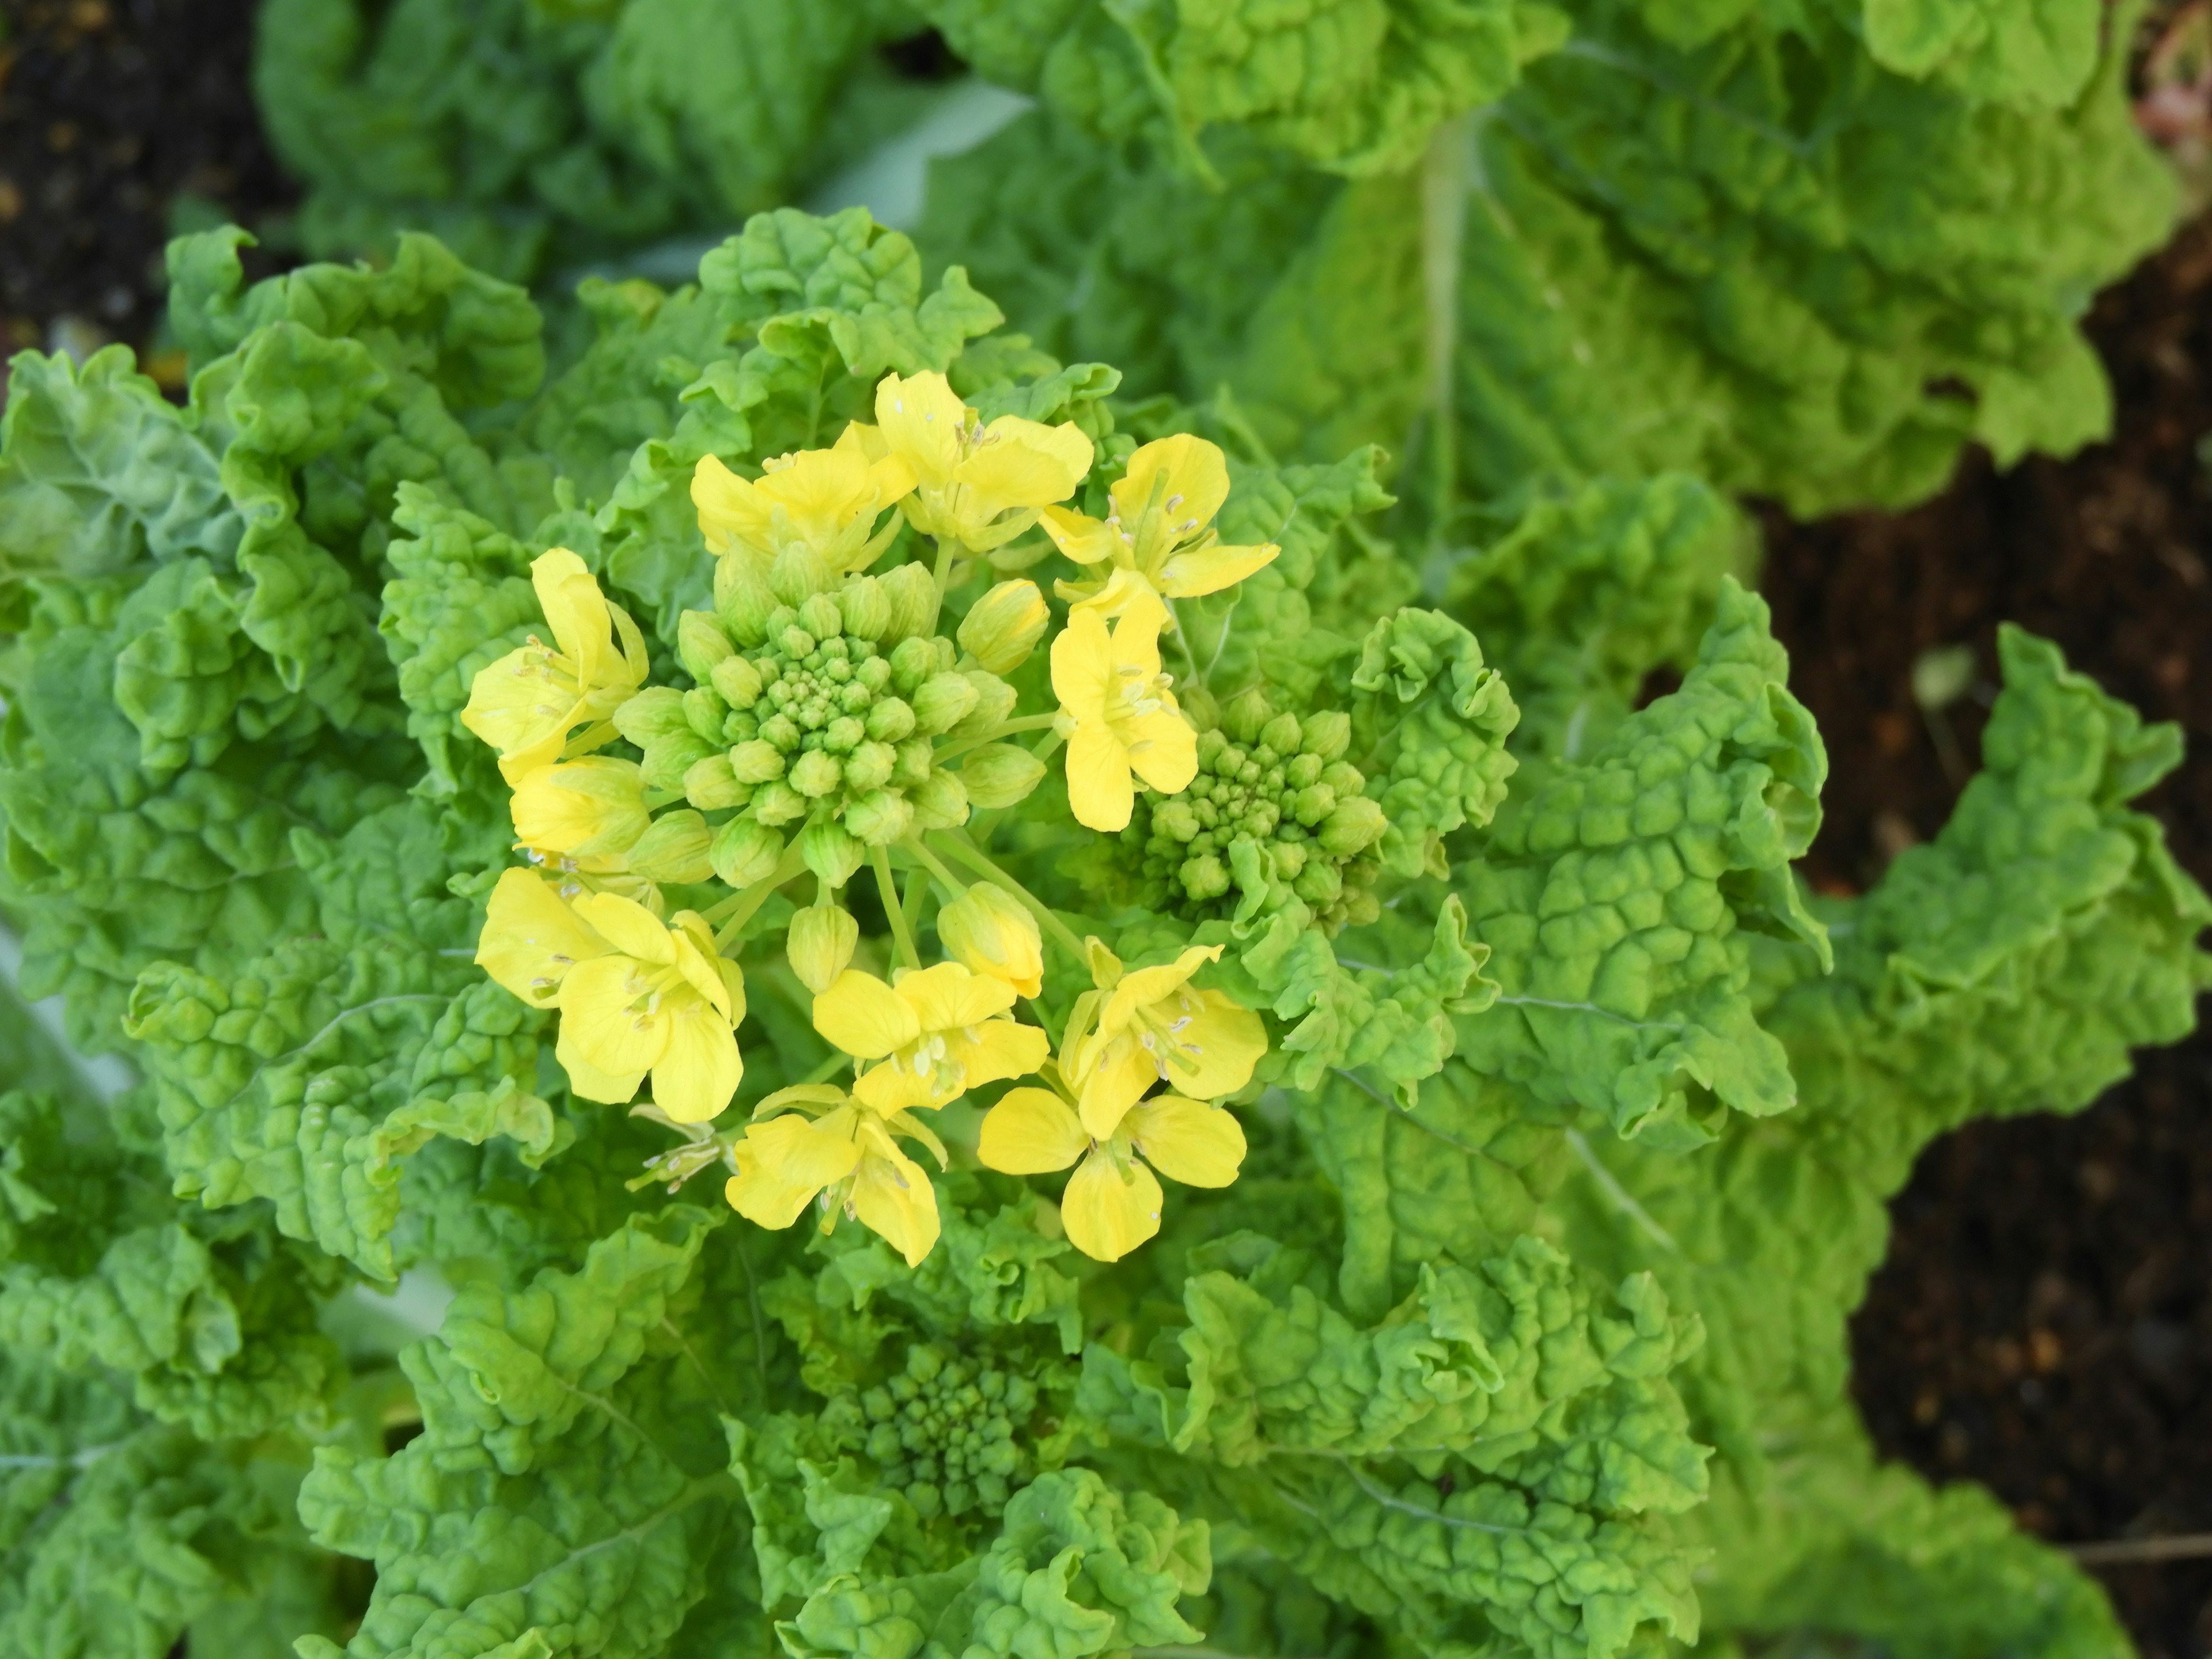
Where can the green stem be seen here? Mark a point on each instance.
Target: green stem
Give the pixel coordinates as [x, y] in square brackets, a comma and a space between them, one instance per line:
[958, 844]
[926, 859]
[828, 1069]
[744, 907]
[917, 889]
[943, 573]
[879, 859]
[1050, 741]
[1003, 729]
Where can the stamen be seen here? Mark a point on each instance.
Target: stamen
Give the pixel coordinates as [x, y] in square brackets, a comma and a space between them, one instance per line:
[1175, 500]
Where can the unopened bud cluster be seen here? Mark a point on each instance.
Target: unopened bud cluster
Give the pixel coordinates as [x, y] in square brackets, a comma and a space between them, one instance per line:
[1274, 803]
[953, 1435]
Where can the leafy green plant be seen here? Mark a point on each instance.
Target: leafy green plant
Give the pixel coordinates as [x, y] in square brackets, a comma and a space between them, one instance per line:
[1024, 1018]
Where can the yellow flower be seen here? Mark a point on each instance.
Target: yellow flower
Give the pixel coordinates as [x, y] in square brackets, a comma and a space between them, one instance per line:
[825, 499]
[635, 995]
[987, 929]
[1112, 1203]
[593, 808]
[812, 1137]
[1161, 527]
[979, 485]
[1119, 714]
[1151, 1026]
[937, 1032]
[526, 704]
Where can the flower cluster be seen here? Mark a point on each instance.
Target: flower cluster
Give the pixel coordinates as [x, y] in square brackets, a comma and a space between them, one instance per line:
[842, 719]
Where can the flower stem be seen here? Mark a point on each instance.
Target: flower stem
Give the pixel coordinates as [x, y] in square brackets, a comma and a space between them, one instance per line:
[1003, 729]
[958, 844]
[879, 859]
[828, 1069]
[943, 573]
[926, 859]
[743, 907]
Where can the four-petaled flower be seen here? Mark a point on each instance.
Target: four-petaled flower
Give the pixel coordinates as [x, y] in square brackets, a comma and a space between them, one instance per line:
[827, 501]
[1118, 712]
[1149, 1026]
[635, 995]
[935, 1033]
[1112, 1203]
[813, 1138]
[1160, 528]
[527, 704]
[979, 485]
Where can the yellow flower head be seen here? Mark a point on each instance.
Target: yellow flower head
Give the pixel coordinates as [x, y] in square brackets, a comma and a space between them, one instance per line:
[936, 1033]
[1161, 527]
[812, 1139]
[1151, 1026]
[1119, 714]
[825, 499]
[976, 484]
[988, 930]
[635, 995]
[1112, 1203]
[593, 808]
[526, 704]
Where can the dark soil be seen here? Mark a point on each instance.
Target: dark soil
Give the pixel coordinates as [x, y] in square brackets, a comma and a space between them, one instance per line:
[2043, 1322]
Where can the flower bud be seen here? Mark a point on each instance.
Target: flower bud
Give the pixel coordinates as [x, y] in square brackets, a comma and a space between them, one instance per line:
[709, 785]
[819, 945]
[1353, 827]
[588, 808]
[1000, 774]
[890, 720]
[941, 702]
[778, 803]
[1003, 627]
[880, 817]
[738, 682]
[1327, 734]
[867, 608]
[912, 662]
[756, 760]
[674, 849]
[1244, 715]
[990, 931]
[1281, 734]
[701, 642]
[668, 757]
[940, 801]
[831, 851]
[821, 617]
[912, 591]
[816, 773]
[869, 765]
[742, 598]
[704, 711]
[743, 851]
[798, 574]
[653, 713]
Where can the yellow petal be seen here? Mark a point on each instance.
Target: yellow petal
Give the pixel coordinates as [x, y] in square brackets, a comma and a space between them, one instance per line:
[701, 1068]
[864, 1016]
[702, 969]
[995, 1050]
[919, 418]
[990, 931]
[629, 926]
[1188, 1141]
[1107, 1212]
[1229, 1040]
[950, 994]
[575, 609]
[1163, 750]
[1099, 787]
[1186, 476]
[1137, 631]
[1118, 1073]
[1083, 676]
[727, 505]
[587, 1082]
[1085, 539]
[583, 808]
[600, 1024]
[1021, 463]
[892, 1196]
[522, 706]
[531, 938]
[1148, 986]
[890, 1087]
[783, 1163]
[1210, 569]
[1030, 1132]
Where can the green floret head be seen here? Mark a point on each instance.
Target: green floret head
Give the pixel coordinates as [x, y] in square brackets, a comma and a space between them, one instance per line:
[1276, 785]
[954, 1434]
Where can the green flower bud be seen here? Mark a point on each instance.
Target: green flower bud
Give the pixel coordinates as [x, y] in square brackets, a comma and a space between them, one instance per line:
[1281, 735]
[798, 574]
[710, 785]
[988, 929]
[865, 606]
[940, 801]
[941, 702]
[756, 761]
[782, 618]
[1303, 771]
[890, 720]
[738, 682]
[796, 642]
[701, 642]
[667, 758]
[1314, 803]
[914, 764]
[880, 817]
[1319, 883]
[819, 945]
[842, 735]
[742, 597]
[1244, 715]
[821, 617]
[875, 673]
[781, 730]
[674, 849]
[1353, 827]
[655, 712]
[778, 803]
[994, 701]
[704, 711]
[912, 591]
[1003, 627]
[1290, 857]
[588, 808]
[816, 775]
[869, 765]
[913, 661]
[1343, 777]
[744, 851]
[831, 851]
[1000, 775]
[1204, 877]
[1327, 734]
